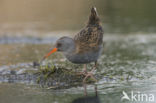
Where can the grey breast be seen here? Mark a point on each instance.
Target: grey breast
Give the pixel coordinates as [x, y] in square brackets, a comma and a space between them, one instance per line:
[90, 56]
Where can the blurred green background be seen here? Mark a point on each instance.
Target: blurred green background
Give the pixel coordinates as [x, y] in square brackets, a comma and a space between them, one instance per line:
[117, 16]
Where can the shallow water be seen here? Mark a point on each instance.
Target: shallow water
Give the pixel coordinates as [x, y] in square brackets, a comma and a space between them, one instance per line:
[127, 64]
[110, 93]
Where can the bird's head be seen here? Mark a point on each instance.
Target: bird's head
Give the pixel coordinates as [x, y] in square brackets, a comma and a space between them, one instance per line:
[64, 44]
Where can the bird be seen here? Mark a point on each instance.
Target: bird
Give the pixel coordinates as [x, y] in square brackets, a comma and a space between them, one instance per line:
[85, 47]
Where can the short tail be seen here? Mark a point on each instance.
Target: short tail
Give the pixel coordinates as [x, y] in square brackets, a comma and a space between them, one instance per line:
[93, 18]
[93, 11]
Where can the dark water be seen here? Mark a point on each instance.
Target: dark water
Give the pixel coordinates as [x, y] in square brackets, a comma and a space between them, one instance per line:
[128, 62]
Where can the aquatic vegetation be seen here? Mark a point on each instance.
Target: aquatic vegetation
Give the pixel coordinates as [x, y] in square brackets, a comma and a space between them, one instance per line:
[58, 77]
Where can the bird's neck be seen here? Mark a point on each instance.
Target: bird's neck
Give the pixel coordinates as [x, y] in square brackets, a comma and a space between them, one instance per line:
[71, 49]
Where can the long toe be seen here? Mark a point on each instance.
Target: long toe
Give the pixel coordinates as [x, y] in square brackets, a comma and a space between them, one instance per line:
[81, 73]
[89, 75]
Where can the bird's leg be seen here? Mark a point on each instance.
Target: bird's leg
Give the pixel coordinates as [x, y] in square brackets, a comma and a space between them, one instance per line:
[90, 74]
[84, 72]
[85, 68]
[94, 67]
[96, 93]
[85, 89]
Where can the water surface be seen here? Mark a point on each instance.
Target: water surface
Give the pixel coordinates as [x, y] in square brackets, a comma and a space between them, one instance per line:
[28, 30]
[127, 64]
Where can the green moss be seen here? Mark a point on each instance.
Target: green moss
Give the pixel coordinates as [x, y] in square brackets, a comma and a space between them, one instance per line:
[55, 77]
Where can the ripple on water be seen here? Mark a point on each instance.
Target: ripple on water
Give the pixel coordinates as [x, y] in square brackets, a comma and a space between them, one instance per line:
[126, 62]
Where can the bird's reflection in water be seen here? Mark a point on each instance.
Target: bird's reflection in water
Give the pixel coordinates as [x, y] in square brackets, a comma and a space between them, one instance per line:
[86, 98]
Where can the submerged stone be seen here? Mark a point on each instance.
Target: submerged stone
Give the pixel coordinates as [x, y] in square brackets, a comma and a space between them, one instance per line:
[58, 77]
[49, 76]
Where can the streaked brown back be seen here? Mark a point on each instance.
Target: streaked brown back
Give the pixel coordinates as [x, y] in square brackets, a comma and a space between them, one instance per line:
[90, 37]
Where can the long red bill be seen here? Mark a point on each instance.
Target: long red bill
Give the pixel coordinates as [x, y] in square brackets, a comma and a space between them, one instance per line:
[52, 51]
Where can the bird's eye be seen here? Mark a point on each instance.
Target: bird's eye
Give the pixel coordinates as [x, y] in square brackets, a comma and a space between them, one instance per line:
[59, 44]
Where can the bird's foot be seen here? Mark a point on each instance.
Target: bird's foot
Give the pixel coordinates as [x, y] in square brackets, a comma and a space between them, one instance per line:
[84, 72]
[89, 74]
